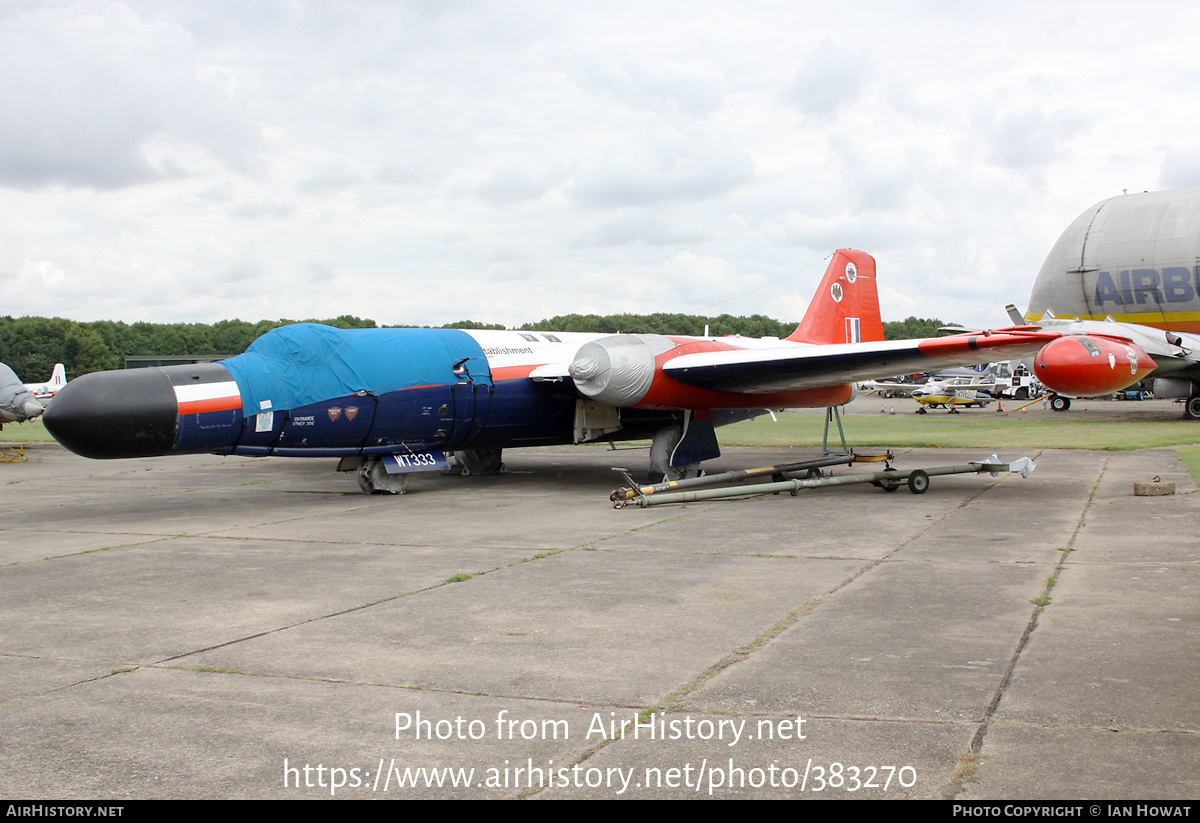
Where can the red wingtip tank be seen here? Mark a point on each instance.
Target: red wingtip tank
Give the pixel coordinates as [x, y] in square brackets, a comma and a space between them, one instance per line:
[1085, 365]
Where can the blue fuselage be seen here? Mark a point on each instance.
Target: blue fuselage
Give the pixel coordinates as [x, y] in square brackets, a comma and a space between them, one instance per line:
[313, 391]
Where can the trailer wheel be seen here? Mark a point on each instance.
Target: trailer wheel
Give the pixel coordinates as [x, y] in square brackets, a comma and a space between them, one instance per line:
[918, 482]
[887, 484]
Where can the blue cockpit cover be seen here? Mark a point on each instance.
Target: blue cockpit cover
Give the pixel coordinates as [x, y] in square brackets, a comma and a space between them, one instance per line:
[295, 366]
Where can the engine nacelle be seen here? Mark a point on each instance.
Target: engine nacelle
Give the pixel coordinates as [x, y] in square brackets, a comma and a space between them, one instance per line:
[1178, 388]
[618, 370]
[1084, 365]
[625, 370]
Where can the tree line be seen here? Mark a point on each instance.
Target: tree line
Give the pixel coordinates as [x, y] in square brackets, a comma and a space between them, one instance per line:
[756, 325]
[32, 345]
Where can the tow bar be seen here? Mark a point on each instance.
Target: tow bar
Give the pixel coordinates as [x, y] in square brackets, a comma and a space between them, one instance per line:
[889, 480]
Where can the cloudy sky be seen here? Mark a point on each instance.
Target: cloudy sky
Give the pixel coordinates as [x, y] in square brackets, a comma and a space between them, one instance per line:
[424, 161]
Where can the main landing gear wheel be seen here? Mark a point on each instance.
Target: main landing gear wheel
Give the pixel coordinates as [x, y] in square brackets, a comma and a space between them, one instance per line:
[661, 447]
[918, 482]
[475, 462]
[1191, 407]
[373, 478]
[1060, 403]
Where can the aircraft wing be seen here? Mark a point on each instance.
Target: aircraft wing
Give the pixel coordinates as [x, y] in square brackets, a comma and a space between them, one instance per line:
[893, 389]
[798, 367]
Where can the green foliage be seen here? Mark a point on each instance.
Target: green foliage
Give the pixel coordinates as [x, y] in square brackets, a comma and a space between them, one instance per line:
[911, 328]
[31, 431]
[753, 326]
[345, 321]
[1190, 458]
[31, 346]
[974, 430]
[471, 324]
[661, 323]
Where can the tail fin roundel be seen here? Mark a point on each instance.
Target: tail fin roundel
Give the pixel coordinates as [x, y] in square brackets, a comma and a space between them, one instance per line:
[845, 308]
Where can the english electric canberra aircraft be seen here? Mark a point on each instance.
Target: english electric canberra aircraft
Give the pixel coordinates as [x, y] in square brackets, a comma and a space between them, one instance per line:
[391, 402]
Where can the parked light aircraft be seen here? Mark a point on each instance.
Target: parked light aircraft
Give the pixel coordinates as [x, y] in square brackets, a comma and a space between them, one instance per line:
[952, 393]
[391, 402]
[17, 402]
[989, 382]
[46, 391]
[892, 388]
[1127, 267]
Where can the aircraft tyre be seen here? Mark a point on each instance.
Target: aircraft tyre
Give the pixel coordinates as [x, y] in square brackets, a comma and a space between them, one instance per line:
[918, 482]
[1060, 403]
[1191, 407]
[921, 410]
[664, 443]
[480, 461]
[373, 478]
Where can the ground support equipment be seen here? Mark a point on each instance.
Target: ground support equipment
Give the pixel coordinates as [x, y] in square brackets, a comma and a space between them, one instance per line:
[889, 480]
[13, 454]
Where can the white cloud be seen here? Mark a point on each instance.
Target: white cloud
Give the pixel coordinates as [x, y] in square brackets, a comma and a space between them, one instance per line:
[696, 163]
[1030, 139]
[1181, 168]
[83, 92]
[829, 79]
[694, 87]
[423, 162]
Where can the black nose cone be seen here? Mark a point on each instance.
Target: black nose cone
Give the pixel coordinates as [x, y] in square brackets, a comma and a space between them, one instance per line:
[111, 414]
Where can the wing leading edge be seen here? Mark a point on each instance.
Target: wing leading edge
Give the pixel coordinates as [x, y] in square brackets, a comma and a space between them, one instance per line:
[795, 367]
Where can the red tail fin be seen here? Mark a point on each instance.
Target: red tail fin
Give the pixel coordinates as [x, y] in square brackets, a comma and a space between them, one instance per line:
[845, 308]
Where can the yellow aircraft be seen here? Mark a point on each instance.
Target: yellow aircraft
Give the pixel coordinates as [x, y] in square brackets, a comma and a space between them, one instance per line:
[952, 393]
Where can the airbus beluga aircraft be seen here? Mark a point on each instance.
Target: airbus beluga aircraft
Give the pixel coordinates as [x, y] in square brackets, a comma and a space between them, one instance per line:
[1128, 267]
[392, 402]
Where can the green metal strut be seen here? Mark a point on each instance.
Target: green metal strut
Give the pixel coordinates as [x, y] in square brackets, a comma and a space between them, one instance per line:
[832, 413]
